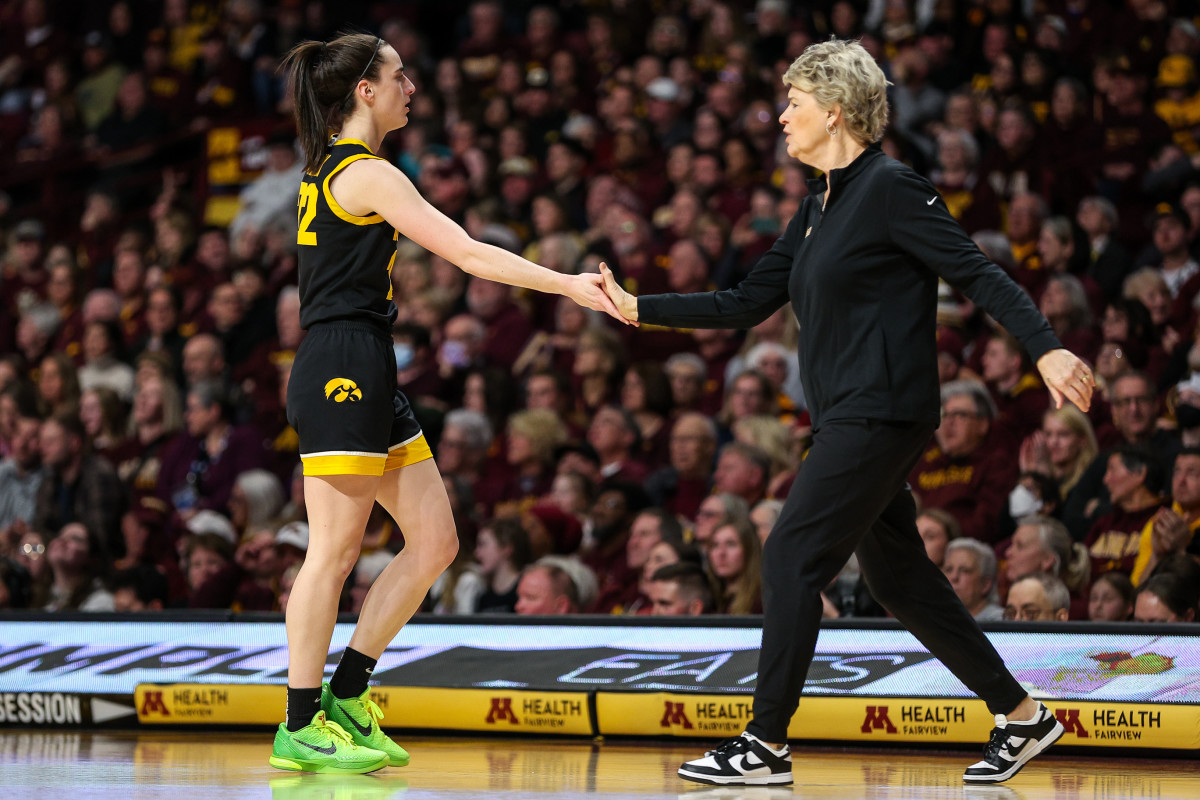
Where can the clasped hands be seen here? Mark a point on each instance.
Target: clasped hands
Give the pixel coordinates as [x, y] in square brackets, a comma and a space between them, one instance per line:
[601, 292]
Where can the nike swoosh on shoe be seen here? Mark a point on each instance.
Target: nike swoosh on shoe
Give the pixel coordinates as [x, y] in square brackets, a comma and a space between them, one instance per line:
[326, 750]
[364, 731]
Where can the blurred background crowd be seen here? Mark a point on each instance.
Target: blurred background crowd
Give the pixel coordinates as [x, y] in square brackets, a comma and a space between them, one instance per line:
[149, 313]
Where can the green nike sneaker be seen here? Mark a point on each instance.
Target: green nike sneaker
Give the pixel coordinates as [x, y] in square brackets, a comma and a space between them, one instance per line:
[323, 746]
[359, 717]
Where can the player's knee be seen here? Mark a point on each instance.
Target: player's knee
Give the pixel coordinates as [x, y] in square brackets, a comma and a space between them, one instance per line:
[337, 565]
[446, 551]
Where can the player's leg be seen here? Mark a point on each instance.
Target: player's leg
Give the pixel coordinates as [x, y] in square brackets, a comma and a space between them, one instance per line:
[416, 498]
[338, 507]
[413, 493]
[905, 582]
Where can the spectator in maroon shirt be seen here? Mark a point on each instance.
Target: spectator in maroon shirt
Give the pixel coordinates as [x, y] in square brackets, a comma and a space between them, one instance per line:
[1133, 479]
[959, 472]
[508, 328]
[1026, 212]
[742, 470]
[682, 486]
[616, 506]
[1014, 165]
[1021, 398]
[614, 434]
[201, 464]
[968, 198]
[531, 439]
[646, 395]
[648, 528]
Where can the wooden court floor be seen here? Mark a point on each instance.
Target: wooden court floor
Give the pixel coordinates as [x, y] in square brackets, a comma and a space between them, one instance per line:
[218, 766]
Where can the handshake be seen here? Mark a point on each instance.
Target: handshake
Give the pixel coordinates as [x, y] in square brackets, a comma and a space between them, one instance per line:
[601, 292]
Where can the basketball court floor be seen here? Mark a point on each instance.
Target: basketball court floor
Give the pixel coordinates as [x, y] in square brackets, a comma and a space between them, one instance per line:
[219, 766]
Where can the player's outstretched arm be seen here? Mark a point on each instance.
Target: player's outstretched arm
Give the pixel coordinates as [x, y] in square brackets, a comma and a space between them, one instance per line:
[374, 185]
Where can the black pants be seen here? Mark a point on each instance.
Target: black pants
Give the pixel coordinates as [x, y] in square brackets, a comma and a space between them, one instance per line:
[852, 497]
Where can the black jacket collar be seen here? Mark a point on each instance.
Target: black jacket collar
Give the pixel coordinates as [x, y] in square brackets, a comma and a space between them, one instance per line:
[847, 173]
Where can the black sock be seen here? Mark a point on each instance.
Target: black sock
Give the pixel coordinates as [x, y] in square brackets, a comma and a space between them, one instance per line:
[302, 706]
[351, 676]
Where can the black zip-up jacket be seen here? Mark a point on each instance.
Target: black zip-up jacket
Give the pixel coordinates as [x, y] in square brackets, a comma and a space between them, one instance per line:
[862, 279]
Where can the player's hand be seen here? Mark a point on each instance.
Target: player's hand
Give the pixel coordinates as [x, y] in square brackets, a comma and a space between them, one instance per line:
[1067, 378]
[624, 301]
[587, 290]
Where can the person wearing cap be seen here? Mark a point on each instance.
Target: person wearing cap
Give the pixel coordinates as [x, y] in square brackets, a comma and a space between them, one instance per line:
[1169, 230]
[664, 112]
[860, 263]
[1132, 133]
[359, 440]
[96, 94]
[20, 273]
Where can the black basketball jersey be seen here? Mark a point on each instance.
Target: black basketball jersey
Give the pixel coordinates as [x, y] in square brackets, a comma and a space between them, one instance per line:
[345, 260]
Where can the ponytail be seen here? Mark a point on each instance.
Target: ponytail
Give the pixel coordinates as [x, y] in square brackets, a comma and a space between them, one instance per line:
[324, 77]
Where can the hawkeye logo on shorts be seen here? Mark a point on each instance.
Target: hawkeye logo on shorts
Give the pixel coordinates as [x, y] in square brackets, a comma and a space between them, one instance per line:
[342, 390]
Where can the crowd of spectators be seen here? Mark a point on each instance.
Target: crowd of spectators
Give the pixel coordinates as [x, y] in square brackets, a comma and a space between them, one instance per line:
[147, 459]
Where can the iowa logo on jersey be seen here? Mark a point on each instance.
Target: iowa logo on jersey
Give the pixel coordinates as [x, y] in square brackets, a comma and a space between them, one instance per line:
[342, 390]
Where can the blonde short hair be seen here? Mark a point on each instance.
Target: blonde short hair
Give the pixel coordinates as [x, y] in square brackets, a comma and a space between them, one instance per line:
[542, 427]
[843, 73]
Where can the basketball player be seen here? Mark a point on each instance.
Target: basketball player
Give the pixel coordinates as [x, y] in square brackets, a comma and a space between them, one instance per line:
[359, 441]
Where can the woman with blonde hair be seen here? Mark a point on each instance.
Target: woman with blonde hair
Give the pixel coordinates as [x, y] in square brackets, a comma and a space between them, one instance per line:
[1063, 449]
[860, 263]
[532, 436]
[774, 438]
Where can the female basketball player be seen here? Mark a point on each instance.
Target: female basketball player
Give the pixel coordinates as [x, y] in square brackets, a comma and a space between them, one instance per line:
[359, 441]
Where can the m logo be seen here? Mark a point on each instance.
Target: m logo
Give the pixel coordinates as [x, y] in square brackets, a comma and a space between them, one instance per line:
[673, 715]
[342, 390]
[877, 717]
[1069, 717]
[153, 704]
[501, 710]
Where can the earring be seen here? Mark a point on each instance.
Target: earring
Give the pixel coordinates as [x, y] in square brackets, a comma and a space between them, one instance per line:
[830, 128]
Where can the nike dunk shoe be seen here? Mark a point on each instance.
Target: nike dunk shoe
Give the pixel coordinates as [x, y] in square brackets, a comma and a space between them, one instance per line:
[323, 746]
[359, 717]
[741, 761]
[1012, 744]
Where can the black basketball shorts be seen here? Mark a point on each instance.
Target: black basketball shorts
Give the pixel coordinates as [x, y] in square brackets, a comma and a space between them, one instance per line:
[344, 403]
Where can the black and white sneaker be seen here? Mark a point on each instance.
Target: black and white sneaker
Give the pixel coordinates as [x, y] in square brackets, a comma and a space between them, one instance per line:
[1013, 744]
[741, 761]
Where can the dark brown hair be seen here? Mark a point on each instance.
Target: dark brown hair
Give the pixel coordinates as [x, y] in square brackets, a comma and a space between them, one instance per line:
[324, 77]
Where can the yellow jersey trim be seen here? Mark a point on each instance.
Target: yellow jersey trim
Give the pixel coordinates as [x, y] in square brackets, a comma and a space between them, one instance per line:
[333, 204]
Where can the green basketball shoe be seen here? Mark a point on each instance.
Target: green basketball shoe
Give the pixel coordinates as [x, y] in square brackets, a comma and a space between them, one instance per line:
[323, 746]
[359, 717]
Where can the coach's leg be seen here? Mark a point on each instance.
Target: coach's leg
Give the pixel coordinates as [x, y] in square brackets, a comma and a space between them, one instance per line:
[416, 498]
[905, 582]
[843, 486]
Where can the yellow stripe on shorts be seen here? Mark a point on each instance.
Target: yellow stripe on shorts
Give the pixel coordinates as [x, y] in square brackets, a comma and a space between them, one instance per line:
[409, 452]
[343, 463]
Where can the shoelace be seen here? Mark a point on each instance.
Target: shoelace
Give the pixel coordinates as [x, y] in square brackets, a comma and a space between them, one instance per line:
[372, 709]
[730, 747]
[997, 742]
[336, 731]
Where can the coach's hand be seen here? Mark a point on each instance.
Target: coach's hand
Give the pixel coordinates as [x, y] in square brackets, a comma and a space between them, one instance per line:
[625, 302]
[1067, 378]
[587, 289]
